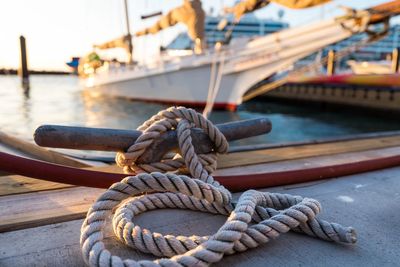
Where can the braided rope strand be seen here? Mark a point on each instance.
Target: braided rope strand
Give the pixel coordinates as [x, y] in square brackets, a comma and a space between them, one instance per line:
[158, 124]
[271, 214]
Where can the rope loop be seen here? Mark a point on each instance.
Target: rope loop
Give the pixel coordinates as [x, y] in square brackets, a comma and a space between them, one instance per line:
[170, 119]
[256, 218]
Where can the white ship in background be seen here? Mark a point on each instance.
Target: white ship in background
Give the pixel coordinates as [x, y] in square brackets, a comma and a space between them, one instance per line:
[248, 26]
[223, 73]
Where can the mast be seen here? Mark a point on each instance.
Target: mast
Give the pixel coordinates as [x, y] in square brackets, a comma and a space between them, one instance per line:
[128, 35]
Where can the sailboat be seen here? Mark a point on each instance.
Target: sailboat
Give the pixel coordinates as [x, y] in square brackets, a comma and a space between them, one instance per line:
[224, 73]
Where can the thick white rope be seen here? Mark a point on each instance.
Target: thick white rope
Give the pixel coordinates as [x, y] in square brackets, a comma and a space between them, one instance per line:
[270, 213]
[160, 123]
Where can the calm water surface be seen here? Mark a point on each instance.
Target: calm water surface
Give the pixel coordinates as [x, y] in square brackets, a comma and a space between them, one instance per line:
[58, 100]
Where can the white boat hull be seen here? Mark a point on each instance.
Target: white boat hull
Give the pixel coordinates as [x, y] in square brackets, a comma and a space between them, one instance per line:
[183, 87]
[185, 80]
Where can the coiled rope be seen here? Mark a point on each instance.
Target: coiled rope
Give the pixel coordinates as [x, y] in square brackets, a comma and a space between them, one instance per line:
[270, 213]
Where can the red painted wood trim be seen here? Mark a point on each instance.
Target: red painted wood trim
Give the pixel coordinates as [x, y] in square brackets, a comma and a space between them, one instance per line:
[217, 105]
[81, 177]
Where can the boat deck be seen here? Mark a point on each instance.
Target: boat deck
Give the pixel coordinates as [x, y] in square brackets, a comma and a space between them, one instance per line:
[49, 215]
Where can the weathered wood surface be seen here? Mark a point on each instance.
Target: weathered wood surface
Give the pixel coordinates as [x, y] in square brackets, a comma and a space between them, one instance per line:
[120, 140]
[304, 151]
[63, 204]
[17, 184]
[238, 159]
[310, 162]
[366, 201]
[29, 148]
[46, 207]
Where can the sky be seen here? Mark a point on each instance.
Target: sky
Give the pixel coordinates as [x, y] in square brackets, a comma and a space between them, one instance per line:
[56, 30]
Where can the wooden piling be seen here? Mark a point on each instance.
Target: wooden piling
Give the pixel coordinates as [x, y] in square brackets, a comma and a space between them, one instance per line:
[330, 68]
[395, 60]
[23, 70]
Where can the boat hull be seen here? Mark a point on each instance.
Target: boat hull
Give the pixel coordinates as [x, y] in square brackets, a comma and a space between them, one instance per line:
[186, 80]
[187, 86]
[170, 87]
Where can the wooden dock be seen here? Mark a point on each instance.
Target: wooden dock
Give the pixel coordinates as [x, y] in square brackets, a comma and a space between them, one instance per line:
[40, 221]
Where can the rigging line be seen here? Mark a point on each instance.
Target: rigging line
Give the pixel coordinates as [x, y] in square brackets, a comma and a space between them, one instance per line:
[214, 83]
[210, 102]
[217, 84]
[212, 80]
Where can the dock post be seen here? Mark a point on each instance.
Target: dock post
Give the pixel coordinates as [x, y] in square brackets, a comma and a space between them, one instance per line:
[330, 67]
[395, 60]
[23, 70]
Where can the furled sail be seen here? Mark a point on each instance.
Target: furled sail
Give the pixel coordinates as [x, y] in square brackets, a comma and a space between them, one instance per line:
[122, 42]
[247, 6]
[190, 13]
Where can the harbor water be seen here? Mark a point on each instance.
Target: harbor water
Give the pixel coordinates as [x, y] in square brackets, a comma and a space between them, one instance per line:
[59, 100]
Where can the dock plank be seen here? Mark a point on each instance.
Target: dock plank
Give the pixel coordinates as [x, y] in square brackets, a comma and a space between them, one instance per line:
[304, 151]
[46, 207]
[366, 201]
[31, 149]
[64, 204]
[15, 185]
